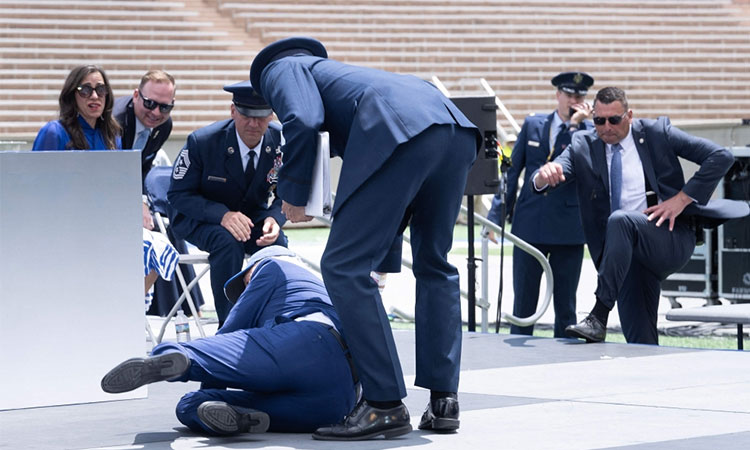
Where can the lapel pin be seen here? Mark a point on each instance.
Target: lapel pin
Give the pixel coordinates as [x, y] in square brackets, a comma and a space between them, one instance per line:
[230, 150]
[268, 149]
[640, 141]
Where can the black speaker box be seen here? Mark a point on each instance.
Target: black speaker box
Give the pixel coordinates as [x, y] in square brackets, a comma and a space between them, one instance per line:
[482, 111]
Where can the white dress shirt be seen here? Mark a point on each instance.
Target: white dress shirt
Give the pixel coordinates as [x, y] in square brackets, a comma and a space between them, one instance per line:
[245, 152]
[633, 196]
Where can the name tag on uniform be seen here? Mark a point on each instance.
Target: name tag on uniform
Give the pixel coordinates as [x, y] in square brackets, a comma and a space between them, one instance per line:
[220, 179]
[533, 144]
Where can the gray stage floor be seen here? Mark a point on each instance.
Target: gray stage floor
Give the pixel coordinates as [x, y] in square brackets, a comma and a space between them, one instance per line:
[515, 392]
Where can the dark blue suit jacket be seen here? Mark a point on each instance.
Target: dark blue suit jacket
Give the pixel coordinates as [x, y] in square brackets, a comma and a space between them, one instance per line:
[562, 223]
[367, 112]
[208, 180]
[659, 146]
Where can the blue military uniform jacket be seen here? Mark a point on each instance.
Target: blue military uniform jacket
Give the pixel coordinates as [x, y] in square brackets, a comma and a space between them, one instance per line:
[367, 118]
[659, 145]
[208, 179]
[279, 288]
[559, 207]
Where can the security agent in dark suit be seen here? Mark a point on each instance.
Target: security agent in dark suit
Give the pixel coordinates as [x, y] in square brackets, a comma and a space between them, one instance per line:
[278, 362]
[222, 189]
[560, 236]
[648, 231]
[407, 150]
[146, 122]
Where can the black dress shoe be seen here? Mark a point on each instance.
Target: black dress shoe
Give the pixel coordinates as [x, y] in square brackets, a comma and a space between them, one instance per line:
[367, 422]
[589, 328]
[441, 415]
[136, 372]
[226, 419]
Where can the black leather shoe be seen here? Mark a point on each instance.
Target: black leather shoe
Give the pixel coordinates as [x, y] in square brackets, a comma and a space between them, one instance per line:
[136, 372]
[441, 415]
[589, 328]
[367, 422]
[226, 419]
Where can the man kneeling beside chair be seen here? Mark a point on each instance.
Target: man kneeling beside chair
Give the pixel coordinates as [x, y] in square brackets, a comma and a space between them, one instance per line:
[279, 352]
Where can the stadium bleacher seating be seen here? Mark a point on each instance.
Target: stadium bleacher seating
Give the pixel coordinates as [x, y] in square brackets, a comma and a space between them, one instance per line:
[687, 59]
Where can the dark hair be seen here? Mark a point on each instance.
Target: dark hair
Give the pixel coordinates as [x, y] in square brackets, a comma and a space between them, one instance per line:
[608, 95]
[108, 126]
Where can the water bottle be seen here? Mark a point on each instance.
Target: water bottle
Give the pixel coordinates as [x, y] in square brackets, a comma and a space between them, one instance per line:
[182, 327]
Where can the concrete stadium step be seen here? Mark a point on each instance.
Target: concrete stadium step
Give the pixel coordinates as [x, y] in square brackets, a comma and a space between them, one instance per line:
[458, 8]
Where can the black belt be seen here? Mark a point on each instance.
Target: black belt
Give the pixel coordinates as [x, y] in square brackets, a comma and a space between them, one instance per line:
[347, 353]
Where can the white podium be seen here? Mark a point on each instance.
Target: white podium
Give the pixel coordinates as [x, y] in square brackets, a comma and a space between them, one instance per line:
[71, 274]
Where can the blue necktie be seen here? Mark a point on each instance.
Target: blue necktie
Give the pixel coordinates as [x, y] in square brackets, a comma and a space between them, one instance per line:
[615, 177]
[140, 141]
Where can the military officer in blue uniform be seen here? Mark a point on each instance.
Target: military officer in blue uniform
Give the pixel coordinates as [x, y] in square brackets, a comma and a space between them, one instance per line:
[222, 189]
[407, 150]
[278, 362]
[560, 236]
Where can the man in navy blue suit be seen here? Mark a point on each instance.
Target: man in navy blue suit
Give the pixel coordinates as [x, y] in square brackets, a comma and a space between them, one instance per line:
[639, 215]
[560, 236]
[222, 189]
[407, 150]
[278, 362]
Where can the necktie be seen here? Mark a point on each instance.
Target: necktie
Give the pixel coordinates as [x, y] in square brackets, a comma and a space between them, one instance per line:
[615, 177]
[250, 168]
[562, 140]
[141, 139]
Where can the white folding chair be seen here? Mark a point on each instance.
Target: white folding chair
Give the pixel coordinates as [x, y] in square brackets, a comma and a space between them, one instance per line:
[157, 185]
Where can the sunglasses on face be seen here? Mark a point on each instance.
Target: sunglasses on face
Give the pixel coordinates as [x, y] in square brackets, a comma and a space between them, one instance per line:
[152, 104]
[86, 90]
[614, 120]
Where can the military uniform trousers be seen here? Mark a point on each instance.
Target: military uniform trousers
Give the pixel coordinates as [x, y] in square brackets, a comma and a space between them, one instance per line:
[427, 174]
[565, 261]
[226, 255]
[297, 372]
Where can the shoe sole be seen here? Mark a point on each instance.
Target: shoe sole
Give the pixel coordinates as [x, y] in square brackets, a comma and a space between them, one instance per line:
[440, 424]
[225, 419]
[137, 372]
[578, 334]
[387, 434]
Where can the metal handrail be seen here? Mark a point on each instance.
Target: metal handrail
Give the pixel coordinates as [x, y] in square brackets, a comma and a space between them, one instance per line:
[528, 248]
[483, 302]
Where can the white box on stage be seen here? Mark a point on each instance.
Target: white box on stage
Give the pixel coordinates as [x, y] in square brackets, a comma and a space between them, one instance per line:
[71, 274]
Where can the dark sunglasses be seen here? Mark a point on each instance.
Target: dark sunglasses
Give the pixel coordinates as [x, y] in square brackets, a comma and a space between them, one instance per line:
[152, 104]
[614, 120]
[86, 90]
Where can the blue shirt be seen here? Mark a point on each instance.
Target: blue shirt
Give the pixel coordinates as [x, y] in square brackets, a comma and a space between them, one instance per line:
[54, 136]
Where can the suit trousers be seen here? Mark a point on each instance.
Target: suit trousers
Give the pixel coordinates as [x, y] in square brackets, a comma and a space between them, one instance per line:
[226, 255]
[637, 257]
[296, 372]
[426, 175]
[565, 261]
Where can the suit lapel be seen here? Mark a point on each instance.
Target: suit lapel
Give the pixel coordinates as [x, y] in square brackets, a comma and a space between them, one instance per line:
[599, 161]
[233, 157]
[544, 145]
[127, 139]
[641, 144]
